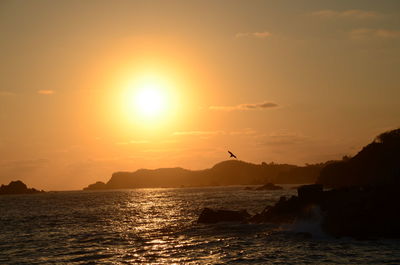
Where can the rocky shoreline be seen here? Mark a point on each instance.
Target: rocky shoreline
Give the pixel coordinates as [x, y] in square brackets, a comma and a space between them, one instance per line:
[363, 203]
[358, 212]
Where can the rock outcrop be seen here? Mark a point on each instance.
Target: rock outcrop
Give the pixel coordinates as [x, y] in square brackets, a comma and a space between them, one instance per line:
[269, 186]
[359, 212]
[17, 187]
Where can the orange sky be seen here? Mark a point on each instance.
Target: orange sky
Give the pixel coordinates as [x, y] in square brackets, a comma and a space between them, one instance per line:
[284, 81]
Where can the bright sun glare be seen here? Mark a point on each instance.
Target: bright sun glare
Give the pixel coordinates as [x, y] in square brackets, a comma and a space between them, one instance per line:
[148, 100]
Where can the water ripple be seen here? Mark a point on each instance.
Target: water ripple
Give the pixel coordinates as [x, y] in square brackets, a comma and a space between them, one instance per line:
[157, 226]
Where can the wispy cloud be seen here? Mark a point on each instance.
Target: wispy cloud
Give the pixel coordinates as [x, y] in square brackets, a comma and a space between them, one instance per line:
[133, 142]
[246, 106]
[284, 138]
[27, 163]
[247, 131]
[197, 133]
[257, 35]
[366, 33]
[19, 168]
[46, 92]
[352, 13]
[4, 93]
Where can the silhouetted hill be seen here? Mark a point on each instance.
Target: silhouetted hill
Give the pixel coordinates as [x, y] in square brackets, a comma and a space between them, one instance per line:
[231, 172]
[142, 178]
[16, 187]
[378, 163]
[99, 185]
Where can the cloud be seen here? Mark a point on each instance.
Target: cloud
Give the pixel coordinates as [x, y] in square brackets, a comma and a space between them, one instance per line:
[21, 168]
[365, 33]
[247, 131]
[198, 133]
[139, 142]
[284, 138]
[133, 142]
[246, 106]
[6, 93]
[258, 35]
[352, 13]
[46, 92]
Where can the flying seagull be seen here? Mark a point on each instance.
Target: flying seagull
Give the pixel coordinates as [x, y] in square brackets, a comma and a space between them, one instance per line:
[232, 155]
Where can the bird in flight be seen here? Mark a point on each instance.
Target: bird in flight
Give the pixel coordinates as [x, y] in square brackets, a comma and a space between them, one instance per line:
[232, 155]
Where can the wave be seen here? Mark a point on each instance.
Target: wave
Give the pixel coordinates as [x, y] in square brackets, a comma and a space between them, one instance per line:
[311, 224]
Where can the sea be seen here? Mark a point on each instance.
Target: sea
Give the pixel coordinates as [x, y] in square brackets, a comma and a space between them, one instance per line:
[158, 226]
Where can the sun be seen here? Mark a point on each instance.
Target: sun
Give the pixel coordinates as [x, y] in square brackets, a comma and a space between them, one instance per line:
[150, 101]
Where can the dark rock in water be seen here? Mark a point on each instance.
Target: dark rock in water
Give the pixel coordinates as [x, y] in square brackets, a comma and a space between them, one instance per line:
[269, 186]
[248, 188]
[306, 235]
[17, 187]
[360, 212]
[284, 211]
[96, 186]
[310, 193]
[210, 216]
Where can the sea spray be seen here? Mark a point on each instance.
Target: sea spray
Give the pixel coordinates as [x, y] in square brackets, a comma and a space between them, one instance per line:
[310, 223]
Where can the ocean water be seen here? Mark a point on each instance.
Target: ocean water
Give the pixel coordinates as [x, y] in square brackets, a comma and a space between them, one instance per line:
[158, 226]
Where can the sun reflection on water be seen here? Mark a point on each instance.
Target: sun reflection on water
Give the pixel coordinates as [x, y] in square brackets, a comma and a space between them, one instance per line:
[157, 226]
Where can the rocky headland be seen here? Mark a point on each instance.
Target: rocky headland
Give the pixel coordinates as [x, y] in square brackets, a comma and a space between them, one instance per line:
[360, 200]
[359, 212]
[378, 164]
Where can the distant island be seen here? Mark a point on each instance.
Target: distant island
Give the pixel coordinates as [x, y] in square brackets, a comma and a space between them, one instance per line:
[17, 187]
[231, 172]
